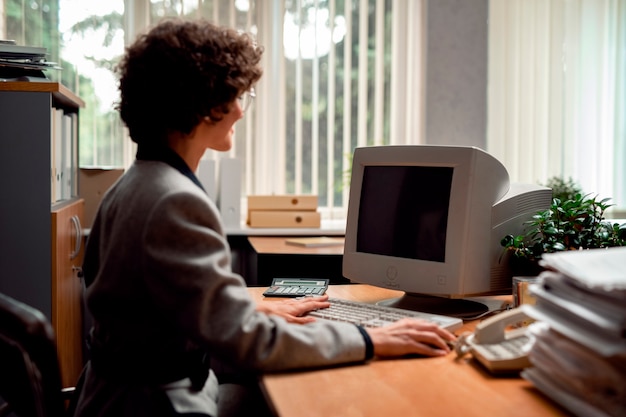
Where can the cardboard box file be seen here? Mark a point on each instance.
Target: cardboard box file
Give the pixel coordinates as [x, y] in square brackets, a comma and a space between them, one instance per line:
[283, 211]
[282, 202]
[284, 219]
[92, 184]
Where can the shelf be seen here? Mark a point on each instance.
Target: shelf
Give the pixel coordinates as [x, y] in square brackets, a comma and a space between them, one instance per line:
[60, 93]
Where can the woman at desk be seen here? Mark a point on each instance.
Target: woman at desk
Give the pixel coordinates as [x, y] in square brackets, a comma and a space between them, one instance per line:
[157, 265]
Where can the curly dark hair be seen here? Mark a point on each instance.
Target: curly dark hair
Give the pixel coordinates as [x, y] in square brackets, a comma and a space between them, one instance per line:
[180, 72]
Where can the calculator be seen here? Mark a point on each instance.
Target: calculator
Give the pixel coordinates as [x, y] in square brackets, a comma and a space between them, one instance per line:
[296, 287]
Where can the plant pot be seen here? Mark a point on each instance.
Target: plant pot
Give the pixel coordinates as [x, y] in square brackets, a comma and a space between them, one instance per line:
[524, 267]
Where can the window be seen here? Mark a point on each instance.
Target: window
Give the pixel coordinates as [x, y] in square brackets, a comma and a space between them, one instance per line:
[346, 73]
[326, 89]
[92, 40]
[557, 94]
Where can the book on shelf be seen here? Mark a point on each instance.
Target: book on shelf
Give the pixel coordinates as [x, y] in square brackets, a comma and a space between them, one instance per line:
[11, 50]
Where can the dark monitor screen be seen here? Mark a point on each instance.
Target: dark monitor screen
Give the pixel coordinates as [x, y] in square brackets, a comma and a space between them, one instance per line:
[403, 211]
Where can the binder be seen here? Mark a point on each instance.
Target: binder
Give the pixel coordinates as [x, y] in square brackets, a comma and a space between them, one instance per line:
[206, 176]
[229, 189]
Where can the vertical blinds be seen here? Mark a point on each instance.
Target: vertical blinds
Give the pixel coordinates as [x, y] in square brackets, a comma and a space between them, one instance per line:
[326, 89]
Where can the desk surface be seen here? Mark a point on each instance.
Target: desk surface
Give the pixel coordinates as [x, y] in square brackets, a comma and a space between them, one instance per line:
[410, 387]
[327, 228]
[278, 246]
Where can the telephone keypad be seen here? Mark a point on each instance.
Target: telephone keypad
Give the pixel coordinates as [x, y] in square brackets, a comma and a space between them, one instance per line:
[508, 348]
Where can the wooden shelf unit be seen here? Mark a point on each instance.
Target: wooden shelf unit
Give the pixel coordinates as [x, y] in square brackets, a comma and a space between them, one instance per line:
[40, 240]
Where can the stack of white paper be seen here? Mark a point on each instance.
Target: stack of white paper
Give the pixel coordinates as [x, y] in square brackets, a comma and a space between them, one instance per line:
[579, 354]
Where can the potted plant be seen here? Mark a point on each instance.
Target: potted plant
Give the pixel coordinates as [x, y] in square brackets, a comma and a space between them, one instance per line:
[569, 224]
[563, 189]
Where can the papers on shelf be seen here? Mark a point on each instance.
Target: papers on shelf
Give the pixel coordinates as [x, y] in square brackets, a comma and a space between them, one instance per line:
[579, 354]
[8, 49]
[23, 61]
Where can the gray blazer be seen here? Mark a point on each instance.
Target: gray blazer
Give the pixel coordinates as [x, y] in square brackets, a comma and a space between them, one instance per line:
[160, 286]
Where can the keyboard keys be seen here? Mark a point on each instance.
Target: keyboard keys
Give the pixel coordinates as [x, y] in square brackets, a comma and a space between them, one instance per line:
[372, 315]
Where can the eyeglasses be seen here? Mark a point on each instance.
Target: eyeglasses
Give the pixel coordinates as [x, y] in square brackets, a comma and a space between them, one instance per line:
[246, 99]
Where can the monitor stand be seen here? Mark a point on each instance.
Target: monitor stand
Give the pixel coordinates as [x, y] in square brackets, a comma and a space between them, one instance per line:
[453, 307]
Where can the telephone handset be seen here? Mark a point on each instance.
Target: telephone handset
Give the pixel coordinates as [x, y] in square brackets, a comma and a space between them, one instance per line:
[498, 349]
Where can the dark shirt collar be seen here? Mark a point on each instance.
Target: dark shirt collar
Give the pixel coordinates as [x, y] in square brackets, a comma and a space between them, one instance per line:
[167, 155]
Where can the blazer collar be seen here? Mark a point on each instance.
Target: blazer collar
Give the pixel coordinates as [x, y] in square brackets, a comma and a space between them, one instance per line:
[168, 156]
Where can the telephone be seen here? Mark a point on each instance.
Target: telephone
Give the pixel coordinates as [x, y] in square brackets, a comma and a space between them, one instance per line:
[498, 349]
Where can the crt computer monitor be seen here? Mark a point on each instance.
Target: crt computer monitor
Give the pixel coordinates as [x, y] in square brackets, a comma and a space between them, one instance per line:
[428, 220]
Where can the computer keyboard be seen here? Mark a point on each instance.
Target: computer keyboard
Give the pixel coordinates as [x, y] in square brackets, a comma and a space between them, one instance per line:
[373, 315]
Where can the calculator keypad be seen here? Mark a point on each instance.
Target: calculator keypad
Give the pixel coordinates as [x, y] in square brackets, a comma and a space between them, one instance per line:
[294, 290]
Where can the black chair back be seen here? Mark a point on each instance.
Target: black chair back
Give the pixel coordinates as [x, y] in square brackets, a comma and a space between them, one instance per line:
[30, 382]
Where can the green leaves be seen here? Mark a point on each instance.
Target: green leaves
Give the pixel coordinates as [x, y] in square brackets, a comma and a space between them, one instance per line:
[569, 224]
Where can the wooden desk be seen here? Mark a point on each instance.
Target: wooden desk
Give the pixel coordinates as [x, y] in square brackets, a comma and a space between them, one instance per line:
[414, 387]
[279, 245]
[274, 258]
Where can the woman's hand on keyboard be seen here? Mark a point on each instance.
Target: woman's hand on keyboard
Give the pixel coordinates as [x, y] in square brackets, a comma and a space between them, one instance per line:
[410, 336]
[294, 310]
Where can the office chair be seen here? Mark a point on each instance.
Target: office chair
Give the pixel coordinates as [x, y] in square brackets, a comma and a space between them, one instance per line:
[30, 381]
